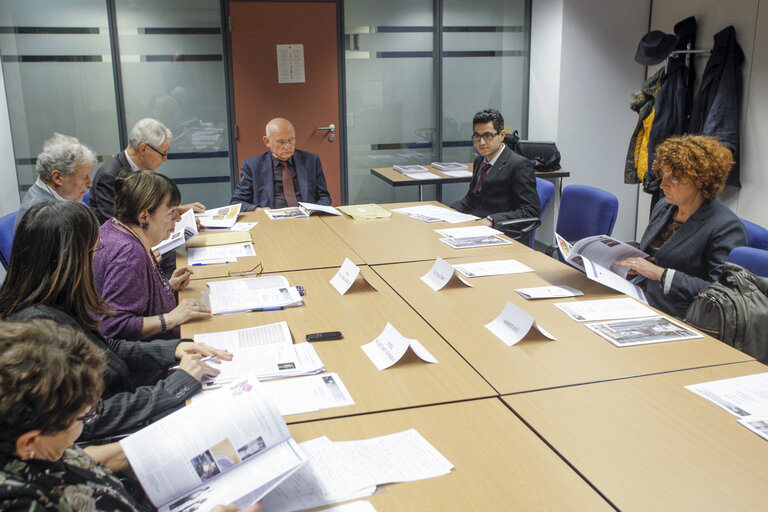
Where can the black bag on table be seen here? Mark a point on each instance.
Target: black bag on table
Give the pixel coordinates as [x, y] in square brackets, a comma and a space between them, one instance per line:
[734, 310]
[544, 155]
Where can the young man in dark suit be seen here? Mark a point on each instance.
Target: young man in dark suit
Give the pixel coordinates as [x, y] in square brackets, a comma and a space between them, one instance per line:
[283, 175]
[504, 184]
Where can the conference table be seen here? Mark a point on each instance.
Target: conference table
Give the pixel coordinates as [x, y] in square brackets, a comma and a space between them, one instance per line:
[575, 423]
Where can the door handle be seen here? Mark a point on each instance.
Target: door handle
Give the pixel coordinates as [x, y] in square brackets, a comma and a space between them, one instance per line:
[330, 128]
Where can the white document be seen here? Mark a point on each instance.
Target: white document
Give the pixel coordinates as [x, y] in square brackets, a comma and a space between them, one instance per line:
[307, 394]
[605, 277]
[243, 226]
[185, 229]
[411, 169]
[346, 275]
[238, 339]
[433, 213]
[475, 241]
[642, 331]
[549, 292]
[229, 447]
[219, 253]
[757, 424]
[263, 293]
[458, 174]
[492, 268]
[470, 231]
[221, 217]
[741, 396]
[311, 208]
[355, 506]
[601, 249]
[513, 324]
[441, 274]
[420, 175]
[450, 166]
[286, 213]
[290, 64]
[390, 346]
[604, 309]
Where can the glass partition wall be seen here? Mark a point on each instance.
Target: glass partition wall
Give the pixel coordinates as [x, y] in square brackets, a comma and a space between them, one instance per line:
[64, 61]
[416, 72]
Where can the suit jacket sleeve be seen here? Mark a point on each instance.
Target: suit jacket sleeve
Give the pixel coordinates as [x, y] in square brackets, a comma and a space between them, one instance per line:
[321, 189]
[103, 190]
[522, 185]
[244, 193]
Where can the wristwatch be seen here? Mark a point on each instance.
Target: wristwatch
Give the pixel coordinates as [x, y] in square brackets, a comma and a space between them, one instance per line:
[489, 218]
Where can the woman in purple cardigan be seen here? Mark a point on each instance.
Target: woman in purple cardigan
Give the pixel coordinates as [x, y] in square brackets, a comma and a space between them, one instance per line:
[144, 303]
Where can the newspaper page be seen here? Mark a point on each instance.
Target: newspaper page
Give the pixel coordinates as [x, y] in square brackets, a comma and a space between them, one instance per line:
[642, 331]
[196, 448]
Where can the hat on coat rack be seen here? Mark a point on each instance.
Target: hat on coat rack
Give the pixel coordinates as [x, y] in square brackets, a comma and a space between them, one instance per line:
[654, 47]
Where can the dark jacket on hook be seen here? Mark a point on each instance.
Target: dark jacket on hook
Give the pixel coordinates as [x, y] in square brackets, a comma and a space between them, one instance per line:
[717, 106]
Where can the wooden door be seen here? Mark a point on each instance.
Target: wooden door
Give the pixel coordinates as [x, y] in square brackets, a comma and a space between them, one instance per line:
[257, 29]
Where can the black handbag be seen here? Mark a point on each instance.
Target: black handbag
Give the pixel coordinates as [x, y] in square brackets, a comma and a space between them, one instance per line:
[544, 155]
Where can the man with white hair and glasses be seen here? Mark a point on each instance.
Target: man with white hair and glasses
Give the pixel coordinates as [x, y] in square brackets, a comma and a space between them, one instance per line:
[64, 169]
[148, 146]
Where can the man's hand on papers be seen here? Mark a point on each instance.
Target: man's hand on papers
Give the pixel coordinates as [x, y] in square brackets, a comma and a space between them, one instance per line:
[187, 310]
[643, 267]
[180, 278]
[256, 507]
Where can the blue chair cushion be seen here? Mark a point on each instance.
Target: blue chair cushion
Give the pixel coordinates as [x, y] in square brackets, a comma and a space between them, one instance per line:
[754, 260]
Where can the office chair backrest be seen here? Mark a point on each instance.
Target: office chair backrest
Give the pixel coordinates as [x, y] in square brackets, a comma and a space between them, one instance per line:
[546, 190]
[586, 211]
[754, 260]
[6, 237]
[757, 235]
[87, 197]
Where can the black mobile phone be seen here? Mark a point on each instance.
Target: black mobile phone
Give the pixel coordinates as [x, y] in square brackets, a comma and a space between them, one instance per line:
[324, 336]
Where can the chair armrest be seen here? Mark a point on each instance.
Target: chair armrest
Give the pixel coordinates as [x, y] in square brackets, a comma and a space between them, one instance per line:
[516, 228]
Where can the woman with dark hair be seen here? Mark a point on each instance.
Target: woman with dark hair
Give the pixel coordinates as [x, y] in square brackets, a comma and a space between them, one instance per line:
[126, 272]
[50, 276]
[690, 233]
[50, 383]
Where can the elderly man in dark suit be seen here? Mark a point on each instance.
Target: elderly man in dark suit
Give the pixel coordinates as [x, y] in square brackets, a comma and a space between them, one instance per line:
[504, 184]
[283, 175]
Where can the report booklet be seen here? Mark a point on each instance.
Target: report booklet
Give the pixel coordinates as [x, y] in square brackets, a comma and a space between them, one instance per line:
[231, 449]
[263, 293]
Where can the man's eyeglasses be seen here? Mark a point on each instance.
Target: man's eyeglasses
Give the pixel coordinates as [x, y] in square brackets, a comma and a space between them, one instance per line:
[153, 148]
[283, 142]
[92, 413]
[487, 136]
[254, 272]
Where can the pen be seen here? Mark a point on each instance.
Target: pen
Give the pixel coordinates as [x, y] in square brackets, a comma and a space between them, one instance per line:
[276, 308]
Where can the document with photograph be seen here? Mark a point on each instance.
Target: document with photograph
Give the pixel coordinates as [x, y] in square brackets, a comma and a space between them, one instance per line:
[549, 292]
[308, 394]
[757, 424]
[467, 232]
[492, 268]
[263, 293]
[312, 208]
[232, 447]
[741, 396]
[286, 213]
[219, 253]
[410, 169]
[185, 229]
[600, 249]
[607, 278]
[642, 331]
[475, 241]
[434, 213]
[221, 217]
[450, 166]
[604, 309]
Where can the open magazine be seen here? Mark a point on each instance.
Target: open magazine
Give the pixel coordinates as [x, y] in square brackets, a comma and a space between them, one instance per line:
[231, 449]
[595, 256]
[303, 210]
[185, 229]
[221, 217]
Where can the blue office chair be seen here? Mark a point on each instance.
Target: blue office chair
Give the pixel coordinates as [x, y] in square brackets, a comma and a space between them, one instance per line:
[521, 228]
[6, 237]
[757, 235]
[754, 260]
[585, 211]
[87, 198]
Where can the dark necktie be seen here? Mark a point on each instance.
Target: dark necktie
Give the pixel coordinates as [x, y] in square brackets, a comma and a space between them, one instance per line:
[481, 178]
[289, 192]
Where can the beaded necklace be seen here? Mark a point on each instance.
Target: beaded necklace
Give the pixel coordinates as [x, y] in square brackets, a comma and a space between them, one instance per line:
[155, 265]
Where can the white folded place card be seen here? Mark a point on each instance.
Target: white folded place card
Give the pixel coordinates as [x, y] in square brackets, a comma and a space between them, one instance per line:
[390, 346]
[441, 274]
[513, 324]
[346, 276]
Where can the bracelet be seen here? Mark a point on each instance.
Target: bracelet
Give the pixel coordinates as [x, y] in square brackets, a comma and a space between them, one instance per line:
[163, 328]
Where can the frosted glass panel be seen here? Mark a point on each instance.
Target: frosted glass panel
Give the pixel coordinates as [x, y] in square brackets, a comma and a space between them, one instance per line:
[58, 76]
[389, 89]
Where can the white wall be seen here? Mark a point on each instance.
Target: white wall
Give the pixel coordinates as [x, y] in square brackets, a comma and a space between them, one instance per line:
[9, 192]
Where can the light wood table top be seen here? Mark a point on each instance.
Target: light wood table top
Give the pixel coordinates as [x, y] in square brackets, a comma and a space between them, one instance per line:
[650, 444]
[283, 245]
[499, 463]
[361, 315]
[398, 179]
[400, 238]
[459, 314]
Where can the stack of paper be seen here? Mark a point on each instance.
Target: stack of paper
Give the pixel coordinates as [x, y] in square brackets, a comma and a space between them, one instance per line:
[339, 471]
[252, 294]
[220, 253]
[222, 217]
[473, 236]
[450, 166]
[266, 351]
[432, 213]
